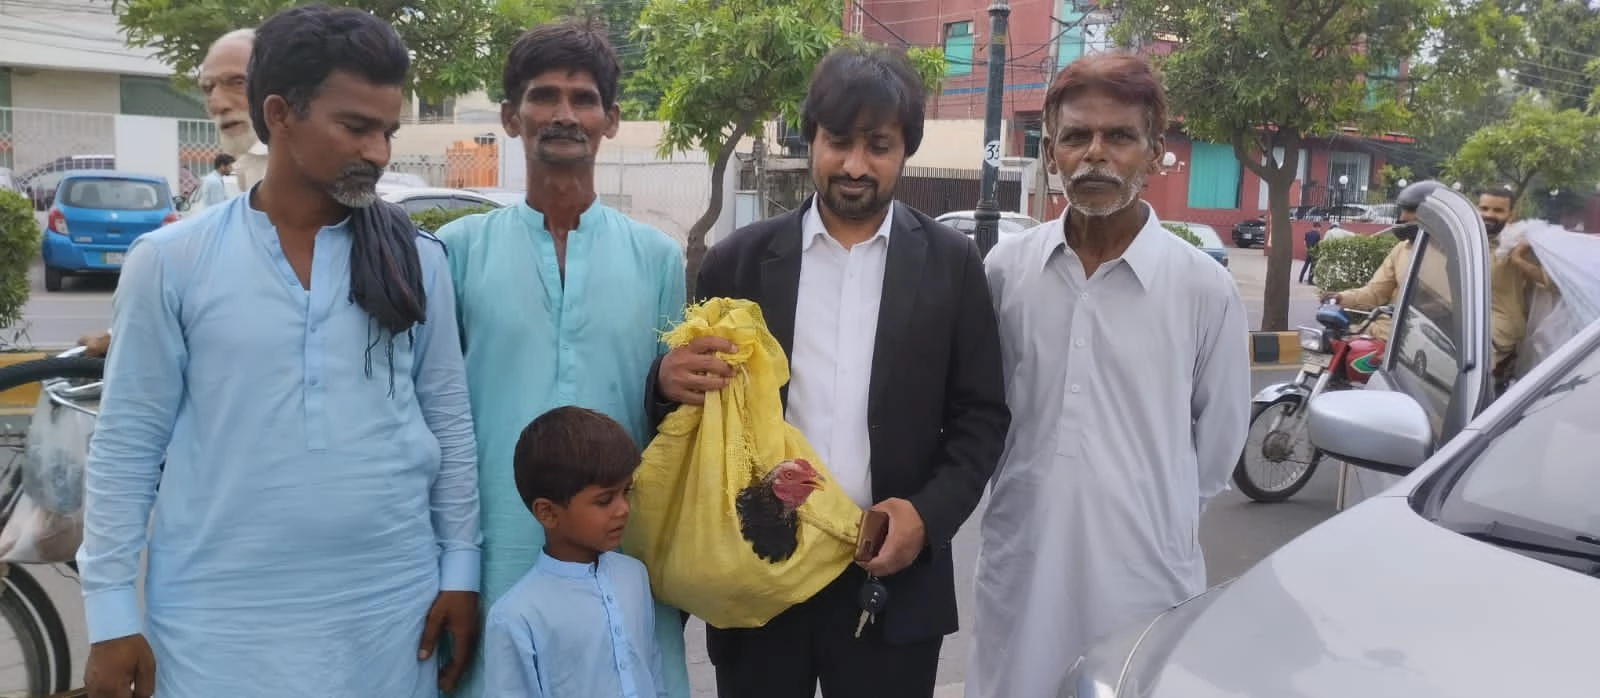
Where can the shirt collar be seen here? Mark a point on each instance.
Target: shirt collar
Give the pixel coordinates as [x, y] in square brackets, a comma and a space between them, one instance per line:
[570, 570]
[1143, 255]
[596, 213]
[261, 226]
[812, 227]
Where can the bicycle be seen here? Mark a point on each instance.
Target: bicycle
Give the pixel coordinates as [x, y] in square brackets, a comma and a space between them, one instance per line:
[73, 381]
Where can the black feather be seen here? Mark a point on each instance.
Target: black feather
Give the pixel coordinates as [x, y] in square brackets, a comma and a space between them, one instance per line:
[774, 533]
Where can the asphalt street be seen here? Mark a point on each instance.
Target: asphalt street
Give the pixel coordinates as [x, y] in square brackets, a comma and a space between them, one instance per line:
[1235, 533]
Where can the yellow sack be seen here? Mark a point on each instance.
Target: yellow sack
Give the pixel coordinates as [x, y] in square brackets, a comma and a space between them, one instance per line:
[708, 464]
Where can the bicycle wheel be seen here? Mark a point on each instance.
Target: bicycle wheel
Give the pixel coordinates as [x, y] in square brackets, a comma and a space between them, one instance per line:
[46, 661]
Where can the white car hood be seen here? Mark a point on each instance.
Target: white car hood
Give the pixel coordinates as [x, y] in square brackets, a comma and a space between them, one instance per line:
[1378, 602]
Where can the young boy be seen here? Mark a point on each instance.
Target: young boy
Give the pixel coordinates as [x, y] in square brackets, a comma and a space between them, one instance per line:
[580, 623]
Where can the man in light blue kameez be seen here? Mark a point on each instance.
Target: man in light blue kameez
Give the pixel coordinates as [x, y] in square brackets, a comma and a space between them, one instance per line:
[291, 354]
[561, 298]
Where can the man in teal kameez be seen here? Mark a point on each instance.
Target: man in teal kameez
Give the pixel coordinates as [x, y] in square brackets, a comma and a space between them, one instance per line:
[560, 298]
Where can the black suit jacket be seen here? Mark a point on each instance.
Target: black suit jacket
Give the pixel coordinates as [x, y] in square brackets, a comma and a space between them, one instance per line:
[937, 410]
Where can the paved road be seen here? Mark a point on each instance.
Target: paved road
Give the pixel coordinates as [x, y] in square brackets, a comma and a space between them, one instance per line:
[58, 319]
[1235, 533]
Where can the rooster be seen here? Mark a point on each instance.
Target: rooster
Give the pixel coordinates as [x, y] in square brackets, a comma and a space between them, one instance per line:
[767, 508]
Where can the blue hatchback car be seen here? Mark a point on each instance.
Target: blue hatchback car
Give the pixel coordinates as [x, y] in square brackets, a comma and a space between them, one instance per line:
[95, 216]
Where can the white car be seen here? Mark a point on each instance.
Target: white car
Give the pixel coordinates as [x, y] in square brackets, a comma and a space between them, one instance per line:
[419, 199]
[967, 222]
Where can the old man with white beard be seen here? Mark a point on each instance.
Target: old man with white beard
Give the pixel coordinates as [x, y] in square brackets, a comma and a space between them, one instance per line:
[222, 80]
[1124, 350]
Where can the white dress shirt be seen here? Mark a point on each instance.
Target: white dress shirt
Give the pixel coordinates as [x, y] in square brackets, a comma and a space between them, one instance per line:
[835, 329]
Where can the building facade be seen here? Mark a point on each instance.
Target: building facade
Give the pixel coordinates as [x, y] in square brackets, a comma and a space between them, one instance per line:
[1206, 185]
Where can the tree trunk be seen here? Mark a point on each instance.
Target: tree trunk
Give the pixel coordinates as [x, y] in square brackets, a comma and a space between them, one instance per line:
[1279, 178]
[696, 249]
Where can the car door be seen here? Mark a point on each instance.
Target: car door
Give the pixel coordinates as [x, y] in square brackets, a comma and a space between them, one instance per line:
[1439, 349]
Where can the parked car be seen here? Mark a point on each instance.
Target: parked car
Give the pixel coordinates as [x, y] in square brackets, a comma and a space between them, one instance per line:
[506, 197]
[419, 199]
[39, 183]
[967, 222]
[391, 181]
[1210, 242]
[95, 215]
[1471, 571]
[1250, 232]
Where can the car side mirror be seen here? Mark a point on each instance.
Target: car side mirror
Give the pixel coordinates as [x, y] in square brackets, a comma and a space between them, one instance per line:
[179, 204]
[1379, 430]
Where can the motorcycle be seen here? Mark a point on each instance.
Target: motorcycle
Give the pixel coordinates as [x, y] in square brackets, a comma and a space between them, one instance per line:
[1278, 458]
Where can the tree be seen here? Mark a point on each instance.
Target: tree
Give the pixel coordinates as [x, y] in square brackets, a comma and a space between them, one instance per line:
[726, 66]
[1559, 148]
[1264, 75]
[458, 46]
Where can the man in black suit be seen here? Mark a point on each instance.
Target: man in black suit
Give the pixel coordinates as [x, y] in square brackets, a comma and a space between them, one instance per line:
[895, 381]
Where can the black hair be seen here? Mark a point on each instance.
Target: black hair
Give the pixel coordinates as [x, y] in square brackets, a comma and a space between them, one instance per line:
[875, 83]
[567, 449]
[297, 49]
[221, 160]
[1498, 192]
[295, 52]
[567, 44]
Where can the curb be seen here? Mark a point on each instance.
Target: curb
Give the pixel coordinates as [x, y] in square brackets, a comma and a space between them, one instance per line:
[1274, 348]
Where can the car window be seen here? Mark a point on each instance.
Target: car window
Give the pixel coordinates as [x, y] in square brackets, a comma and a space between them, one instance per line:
[1540, 471]
[419, 204]
[112, 194]
[1424, 359]
[965, 225]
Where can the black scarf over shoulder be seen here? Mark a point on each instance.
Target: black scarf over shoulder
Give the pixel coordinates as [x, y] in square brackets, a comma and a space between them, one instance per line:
[386, 276]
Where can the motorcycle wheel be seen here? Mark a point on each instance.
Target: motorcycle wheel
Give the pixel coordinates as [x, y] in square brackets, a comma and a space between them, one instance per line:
[1273, 449]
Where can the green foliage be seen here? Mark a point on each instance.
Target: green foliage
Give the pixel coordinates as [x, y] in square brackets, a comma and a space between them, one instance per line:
[1182, 231]
[19, 246]
[1266, 74]
[1349, 262]
[434, 218]
[1564, 35]
[1561, 149]
[457, 45]
[724, 67]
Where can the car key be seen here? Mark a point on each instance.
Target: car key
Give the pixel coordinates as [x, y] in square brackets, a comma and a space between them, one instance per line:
[874, 596]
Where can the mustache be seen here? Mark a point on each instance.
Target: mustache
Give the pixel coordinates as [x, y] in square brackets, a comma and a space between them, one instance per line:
[563, 132]
[361, 170]
[841, 179]
[1096, 175]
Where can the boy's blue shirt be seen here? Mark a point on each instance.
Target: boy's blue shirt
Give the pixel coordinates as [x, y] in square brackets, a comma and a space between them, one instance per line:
[574, 630]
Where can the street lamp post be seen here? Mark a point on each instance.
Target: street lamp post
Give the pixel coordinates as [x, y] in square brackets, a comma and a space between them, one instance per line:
[987, 214]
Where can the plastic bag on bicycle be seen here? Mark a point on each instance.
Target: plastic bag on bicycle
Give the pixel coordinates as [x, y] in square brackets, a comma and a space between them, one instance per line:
[47, 524]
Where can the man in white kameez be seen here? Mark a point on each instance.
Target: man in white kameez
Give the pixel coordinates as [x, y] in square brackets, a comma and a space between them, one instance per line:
[1124, 349]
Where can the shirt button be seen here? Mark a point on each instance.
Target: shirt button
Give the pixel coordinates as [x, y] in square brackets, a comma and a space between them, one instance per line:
[1075, 388]
[317, 381]
[1078, 342]
[1083, 296]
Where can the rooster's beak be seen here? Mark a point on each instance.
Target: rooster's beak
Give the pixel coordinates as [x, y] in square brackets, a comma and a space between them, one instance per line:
[815, 483]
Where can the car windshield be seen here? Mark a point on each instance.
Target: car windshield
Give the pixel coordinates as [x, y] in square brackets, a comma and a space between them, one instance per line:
[112, 194]
[1540, 473]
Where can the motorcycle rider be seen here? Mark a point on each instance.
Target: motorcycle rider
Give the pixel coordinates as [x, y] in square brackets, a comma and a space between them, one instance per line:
[1507, 280]
[1384, 287]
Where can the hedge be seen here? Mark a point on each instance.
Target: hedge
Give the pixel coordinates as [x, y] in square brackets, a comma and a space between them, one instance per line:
[19, 247]
[1349, 262]
[1182, 231]
[434, 218]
